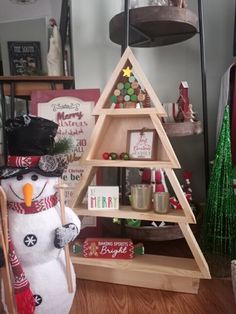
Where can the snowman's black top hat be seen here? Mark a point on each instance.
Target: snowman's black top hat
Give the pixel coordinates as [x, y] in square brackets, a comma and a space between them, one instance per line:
[30, 142]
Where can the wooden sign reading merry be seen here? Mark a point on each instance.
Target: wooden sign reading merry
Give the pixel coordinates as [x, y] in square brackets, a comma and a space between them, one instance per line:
[103, 197]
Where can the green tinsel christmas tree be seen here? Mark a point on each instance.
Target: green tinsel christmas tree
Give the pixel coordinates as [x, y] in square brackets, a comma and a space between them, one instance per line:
[219, 225]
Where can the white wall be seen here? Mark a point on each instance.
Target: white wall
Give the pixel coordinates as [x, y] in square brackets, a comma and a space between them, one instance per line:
[10, 11]
[95, 57]
[56, 10]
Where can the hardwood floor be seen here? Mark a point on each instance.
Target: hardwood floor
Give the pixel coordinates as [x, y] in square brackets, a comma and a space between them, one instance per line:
[215, 297]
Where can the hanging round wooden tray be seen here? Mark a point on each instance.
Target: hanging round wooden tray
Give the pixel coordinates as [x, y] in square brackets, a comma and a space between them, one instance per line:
[154, 26]
[183, 128]
[150, 233]
[169, 232]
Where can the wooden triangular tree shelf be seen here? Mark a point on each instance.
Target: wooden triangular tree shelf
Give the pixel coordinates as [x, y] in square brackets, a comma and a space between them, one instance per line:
[110, 134]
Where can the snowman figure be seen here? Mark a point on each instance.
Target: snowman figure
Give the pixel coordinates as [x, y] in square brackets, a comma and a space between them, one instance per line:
[36, 233]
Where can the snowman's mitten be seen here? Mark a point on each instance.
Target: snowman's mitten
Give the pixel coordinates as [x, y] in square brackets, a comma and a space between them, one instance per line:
[65, 234]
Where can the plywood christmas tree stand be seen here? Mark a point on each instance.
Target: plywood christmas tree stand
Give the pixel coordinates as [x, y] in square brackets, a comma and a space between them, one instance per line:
[110, 134]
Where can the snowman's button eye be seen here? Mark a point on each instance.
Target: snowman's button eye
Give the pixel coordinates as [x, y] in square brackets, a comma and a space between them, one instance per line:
[19, 177]
[34, 177]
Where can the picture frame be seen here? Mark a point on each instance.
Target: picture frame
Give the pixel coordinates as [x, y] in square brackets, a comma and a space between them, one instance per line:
[24, 57]
[142, 144]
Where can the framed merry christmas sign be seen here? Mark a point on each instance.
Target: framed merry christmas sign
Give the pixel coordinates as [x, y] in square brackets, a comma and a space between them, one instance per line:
[71, 110]
[141, 144]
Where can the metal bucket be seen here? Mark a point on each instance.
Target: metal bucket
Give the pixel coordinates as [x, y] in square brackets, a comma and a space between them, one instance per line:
[141, 197]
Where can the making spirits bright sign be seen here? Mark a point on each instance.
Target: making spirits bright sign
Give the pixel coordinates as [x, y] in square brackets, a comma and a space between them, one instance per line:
[108, 248]
[103, 197]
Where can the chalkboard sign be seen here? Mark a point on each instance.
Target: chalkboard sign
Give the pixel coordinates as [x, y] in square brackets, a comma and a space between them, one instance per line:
[24, 57]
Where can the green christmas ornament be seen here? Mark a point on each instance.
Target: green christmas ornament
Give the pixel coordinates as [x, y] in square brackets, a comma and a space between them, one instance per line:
[127, 98]
[131, 79]
[219, 223]
[120, 85]
[133, 98]
[113, 99]
[130, 91]
[127, 85]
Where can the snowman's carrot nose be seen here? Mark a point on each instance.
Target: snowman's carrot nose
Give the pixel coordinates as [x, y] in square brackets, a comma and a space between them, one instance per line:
[28, 193]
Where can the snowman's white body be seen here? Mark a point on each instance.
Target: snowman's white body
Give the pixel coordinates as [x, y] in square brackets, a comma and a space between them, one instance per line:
[33, 237]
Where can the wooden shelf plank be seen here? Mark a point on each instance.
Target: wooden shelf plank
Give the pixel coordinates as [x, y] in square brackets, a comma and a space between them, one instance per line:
[127, 163]
[132, 112]
[35, 78]
[165, 265]
[144, 271]
[126, 212]
[24, 85]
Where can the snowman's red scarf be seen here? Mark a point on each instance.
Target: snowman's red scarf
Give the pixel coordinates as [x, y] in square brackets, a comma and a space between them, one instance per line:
[36, 206]
[24, 298]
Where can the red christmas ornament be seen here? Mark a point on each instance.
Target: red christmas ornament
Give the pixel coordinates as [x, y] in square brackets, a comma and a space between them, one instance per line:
[105, 155]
